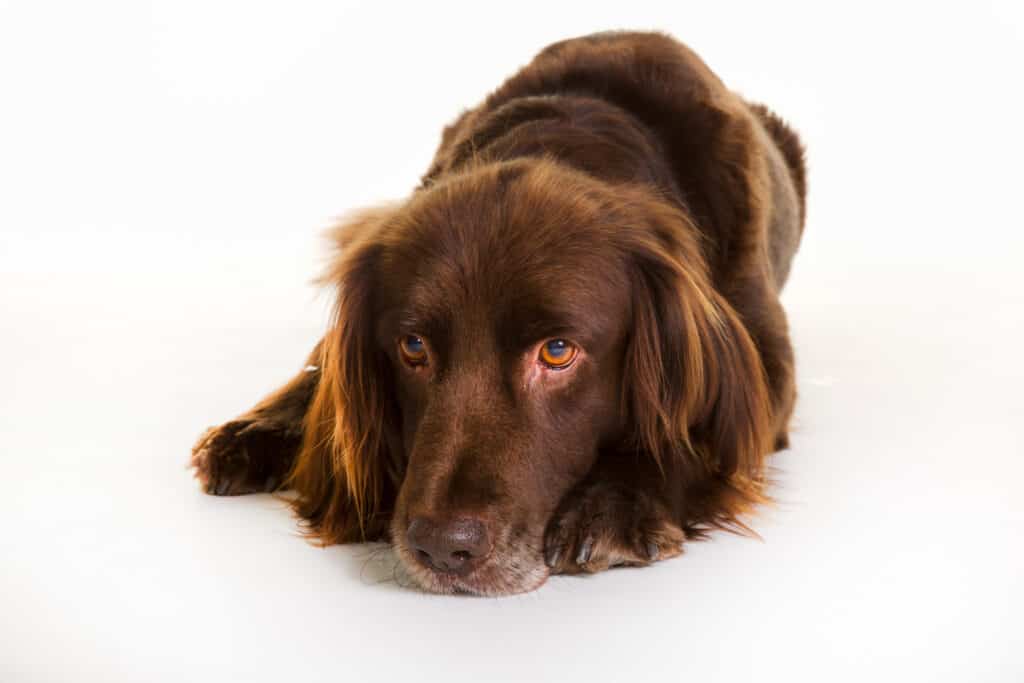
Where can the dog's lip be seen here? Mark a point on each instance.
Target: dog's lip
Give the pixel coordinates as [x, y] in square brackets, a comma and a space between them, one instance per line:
[450, 583]
[469, 584]
[476, 582]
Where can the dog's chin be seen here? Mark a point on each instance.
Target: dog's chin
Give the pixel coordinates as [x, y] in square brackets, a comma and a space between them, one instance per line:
[506, 573]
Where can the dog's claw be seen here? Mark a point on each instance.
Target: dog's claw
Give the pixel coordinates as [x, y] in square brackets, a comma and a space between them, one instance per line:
[604, 525]
[584, 555]
[247, 455]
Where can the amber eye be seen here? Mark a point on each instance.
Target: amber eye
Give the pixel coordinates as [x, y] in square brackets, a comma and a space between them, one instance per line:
[413, 350]
[558, 354]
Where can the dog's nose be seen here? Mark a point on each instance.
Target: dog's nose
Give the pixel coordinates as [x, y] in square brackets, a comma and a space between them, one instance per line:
[451, 546]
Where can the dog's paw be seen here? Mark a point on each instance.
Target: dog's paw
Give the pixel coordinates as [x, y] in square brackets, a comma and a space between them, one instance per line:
[607, 525]
[242, 456]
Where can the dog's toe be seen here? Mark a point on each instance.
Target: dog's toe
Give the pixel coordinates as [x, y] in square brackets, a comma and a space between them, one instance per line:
[232, 460]
[601, 526]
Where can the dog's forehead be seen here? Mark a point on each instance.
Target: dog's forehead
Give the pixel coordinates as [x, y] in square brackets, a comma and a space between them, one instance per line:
[507, 256]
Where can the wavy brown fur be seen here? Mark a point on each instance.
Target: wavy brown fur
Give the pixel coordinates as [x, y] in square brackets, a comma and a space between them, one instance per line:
[614, 194]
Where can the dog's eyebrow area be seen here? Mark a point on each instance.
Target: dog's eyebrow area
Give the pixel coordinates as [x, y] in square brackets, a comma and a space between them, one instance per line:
[587, 305]
[436, 292]
[525, 323]
[516, 327]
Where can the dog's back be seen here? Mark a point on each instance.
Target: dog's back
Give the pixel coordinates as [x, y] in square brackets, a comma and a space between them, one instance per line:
[642, 107]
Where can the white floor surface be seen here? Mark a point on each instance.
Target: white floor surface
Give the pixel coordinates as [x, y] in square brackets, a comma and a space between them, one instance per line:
[166, 171]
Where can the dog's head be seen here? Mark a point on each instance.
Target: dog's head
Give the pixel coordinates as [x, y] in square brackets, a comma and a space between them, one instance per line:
[494, 335]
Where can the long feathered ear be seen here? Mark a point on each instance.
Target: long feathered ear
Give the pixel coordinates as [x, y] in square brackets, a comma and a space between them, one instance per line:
[345, 474]
[695, 383]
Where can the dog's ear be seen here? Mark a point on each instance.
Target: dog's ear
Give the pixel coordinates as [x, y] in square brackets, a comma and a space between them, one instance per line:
[345, 469]
[694, 382]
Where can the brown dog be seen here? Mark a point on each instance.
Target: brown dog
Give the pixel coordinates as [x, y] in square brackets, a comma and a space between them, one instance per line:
[565, 351]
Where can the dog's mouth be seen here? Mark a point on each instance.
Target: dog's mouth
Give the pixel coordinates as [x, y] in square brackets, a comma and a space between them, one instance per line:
[508, 569]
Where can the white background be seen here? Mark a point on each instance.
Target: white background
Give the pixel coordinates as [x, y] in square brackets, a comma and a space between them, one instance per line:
[165, 171]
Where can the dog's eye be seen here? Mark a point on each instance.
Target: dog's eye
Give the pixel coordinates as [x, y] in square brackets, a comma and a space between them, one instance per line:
[558, 354]
[413, 350]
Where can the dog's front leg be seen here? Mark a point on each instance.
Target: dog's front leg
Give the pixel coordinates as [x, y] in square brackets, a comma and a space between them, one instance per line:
[255, 451]
[622, 513]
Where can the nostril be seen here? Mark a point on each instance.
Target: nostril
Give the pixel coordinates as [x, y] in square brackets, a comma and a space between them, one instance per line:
[421, 534]
[464, 540]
